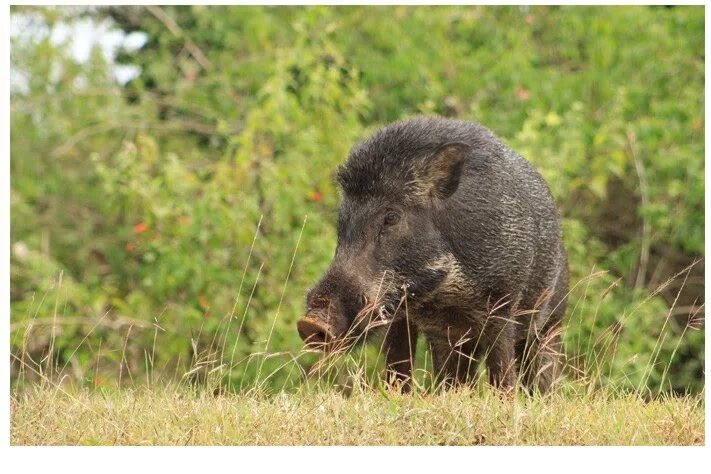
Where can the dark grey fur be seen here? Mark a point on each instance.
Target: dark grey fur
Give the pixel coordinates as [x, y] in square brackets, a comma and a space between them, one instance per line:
[447, 233]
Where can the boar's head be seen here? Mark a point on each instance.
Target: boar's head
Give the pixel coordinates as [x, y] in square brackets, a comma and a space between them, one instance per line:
[393, 187]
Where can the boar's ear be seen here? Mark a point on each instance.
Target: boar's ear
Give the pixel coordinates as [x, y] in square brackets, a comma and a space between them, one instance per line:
[441, 173]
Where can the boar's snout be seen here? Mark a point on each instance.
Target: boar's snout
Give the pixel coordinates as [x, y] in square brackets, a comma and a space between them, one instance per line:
[332, 309]
[314, 331]
[316, 328]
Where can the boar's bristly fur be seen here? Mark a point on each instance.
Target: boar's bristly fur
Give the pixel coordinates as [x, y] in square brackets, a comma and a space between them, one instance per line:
[445, 231]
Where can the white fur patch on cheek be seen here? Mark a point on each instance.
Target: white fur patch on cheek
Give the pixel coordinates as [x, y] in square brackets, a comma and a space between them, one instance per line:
[455, 282]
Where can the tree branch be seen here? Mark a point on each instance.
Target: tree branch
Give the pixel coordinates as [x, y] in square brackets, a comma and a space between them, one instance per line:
[173, 27]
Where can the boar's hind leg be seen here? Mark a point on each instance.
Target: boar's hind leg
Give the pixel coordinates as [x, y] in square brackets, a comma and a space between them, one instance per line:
[540, 359]
[400, 344]
[500, 353]
[540, 354]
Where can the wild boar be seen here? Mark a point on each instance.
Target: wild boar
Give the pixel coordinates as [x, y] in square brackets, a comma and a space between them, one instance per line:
[444, 231]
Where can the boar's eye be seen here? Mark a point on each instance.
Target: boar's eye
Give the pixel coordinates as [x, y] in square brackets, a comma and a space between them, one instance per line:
[391, 218]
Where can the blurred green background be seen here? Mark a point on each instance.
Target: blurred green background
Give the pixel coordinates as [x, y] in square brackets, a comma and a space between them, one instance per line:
[140, 172]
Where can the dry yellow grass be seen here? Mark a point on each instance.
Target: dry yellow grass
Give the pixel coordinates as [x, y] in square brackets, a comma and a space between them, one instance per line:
[179, 415]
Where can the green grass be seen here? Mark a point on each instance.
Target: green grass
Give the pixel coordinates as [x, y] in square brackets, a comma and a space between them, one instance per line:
[179, 415]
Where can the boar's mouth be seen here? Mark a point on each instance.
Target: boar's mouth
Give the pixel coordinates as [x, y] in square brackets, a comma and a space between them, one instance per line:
[376, 314]
[318, 328]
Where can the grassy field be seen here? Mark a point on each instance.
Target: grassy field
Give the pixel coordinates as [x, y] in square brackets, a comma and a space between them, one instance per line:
[181, 416]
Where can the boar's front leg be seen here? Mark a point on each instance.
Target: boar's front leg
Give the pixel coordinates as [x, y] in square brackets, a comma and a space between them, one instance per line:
[400, 344]
[453, 365]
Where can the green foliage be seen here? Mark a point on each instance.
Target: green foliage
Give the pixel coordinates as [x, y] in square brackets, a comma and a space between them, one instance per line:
[173, 205]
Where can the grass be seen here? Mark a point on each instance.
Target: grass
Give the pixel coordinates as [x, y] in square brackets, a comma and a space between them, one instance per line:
[180, 415]
[336, 401]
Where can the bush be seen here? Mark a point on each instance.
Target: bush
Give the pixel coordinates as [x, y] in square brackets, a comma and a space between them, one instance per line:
[176, 205]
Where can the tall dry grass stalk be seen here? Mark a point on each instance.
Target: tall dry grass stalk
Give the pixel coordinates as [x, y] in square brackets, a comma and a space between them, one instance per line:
[213, 366]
